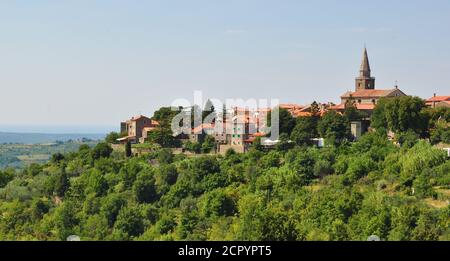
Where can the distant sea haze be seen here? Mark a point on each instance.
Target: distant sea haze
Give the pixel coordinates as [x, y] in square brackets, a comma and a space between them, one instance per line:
[46, 134]
[59, 129]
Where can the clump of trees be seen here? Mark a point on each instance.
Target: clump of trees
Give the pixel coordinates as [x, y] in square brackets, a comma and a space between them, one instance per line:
[345, 192]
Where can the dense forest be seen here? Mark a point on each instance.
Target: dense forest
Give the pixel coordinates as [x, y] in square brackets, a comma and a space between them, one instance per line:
[345, 191]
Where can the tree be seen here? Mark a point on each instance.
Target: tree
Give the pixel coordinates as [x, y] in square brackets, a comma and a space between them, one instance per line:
[110, 207]
[401, 114]
[230, 152]
[144, 188]
[422, 186]
[334, 127]
[101, 150]
[6, 176]
[305, 130]
[96, 183]
[165, 115]
[208, 144]
[257, 144]
[163, 136]
[66, 219]
[286, 121]
[165, 156]
[39, 207]
[112, 137]
[284, 143]
[352, 113]
[439, 124]
[217, 203]
[61, 184]
[129, 222]
[407, 139]
[194, 147]
[208, 111]
[128, 152]
[57, 157]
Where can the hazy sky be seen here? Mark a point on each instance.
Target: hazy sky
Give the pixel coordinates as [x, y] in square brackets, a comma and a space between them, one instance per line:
[99, 62]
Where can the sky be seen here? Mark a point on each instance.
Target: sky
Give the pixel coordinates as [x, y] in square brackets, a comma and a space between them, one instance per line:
[91, 64]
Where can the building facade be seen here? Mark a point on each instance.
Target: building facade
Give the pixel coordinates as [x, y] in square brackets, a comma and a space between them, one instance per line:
[366, 96]
[137, 128]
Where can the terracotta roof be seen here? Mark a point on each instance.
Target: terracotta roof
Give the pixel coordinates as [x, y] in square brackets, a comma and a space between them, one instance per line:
[135, 118]
[358, 106]
[369, 93]
[290, 106]
[297, 114]
[439, 98]
[259, 134]
[264, 110]
[199, 129]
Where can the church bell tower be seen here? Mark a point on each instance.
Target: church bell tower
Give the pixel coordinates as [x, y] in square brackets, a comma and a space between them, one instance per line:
[365, 81]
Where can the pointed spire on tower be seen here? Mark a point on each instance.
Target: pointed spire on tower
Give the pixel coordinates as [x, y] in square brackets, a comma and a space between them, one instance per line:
[365, 80]
[365, 66]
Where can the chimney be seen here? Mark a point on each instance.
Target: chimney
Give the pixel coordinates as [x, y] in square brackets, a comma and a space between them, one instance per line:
[434, 95]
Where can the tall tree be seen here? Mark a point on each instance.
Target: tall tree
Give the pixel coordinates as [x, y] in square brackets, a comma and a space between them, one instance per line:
[286, 120]
[209, 111]
[305, 130]
[128, 151]
[401, 114]
[334, 127]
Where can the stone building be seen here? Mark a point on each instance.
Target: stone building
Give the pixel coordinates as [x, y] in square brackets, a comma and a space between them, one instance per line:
[137, 128]
[366, 96]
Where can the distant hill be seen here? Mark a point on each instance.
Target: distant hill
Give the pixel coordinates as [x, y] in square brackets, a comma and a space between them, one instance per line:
[36, 138]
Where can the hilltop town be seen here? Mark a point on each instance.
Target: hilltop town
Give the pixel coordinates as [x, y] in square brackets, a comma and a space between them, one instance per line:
[239, 128]
[372, 166]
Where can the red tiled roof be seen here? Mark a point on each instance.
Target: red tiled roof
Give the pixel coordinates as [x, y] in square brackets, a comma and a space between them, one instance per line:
[135, 118]
[259, 134]
[202, 127]
[290, 106]
[368, 93]
[358, 106]
[338, 107]
[297, 114]
[439, 98]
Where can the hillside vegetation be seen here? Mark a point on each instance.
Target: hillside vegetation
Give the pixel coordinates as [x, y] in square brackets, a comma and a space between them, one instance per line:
[14, 155]
[337, 193]
[397, 190]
